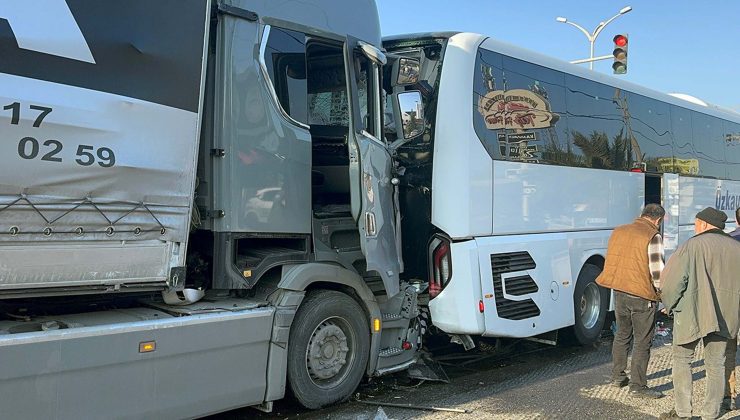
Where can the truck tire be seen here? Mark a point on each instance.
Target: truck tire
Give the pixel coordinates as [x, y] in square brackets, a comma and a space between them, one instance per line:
[590, 305]
[328, 349]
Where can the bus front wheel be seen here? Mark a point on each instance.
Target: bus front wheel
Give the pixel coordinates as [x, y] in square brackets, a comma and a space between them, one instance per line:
[590, 304]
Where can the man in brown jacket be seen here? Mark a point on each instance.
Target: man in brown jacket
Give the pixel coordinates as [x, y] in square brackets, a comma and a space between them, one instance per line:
[701, 290]
[634, 260]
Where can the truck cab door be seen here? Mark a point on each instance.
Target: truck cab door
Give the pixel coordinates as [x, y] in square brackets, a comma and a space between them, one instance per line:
[370, 165]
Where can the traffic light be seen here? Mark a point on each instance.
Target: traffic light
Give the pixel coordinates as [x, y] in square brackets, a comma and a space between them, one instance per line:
[620, 54]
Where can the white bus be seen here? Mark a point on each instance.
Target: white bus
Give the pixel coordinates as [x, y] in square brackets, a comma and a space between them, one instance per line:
[516, 167]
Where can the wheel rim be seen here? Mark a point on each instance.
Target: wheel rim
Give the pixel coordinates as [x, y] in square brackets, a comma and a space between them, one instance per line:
[330, 352]
[590, 306]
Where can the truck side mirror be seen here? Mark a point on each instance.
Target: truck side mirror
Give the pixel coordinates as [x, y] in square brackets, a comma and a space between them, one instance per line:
[412, 113]
[406, 71]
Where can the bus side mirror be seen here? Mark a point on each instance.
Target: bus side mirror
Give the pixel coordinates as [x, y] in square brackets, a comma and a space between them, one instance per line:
[406, 71]
[411, 111]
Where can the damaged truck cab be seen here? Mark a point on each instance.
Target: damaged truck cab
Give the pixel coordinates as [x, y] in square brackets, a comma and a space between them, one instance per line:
[198, 208]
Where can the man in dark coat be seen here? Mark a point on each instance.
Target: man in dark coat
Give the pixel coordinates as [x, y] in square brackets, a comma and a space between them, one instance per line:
[736, 233]
[701, 290]
[730, 356]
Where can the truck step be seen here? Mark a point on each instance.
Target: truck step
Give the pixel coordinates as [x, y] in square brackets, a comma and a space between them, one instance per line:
[391, 317]
[391, 351]
[254, 257]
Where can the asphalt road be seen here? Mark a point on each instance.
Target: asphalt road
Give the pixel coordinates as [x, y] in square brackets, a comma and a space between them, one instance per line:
[527, 381]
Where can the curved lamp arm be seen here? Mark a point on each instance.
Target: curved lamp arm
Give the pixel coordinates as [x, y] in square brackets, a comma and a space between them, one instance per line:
[601, 26]
[585, 32]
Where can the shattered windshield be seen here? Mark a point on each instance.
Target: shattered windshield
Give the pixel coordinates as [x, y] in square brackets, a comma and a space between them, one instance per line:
[416, 126]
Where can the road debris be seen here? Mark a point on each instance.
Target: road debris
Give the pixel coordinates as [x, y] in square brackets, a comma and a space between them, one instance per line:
[662, 330]
[427, 369]
[416, 407]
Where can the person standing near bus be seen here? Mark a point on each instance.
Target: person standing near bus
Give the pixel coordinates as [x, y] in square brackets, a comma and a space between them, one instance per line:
[736, 233]
[701, 290]
[731, 354]
[634, 261]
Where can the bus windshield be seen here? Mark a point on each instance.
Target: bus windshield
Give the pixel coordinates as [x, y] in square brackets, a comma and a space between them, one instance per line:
[407, 121]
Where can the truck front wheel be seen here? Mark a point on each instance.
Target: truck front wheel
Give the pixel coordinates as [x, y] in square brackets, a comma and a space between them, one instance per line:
[328, 349]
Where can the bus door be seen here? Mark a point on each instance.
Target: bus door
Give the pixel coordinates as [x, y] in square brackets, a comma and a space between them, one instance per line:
[670, 202]
[653, 188]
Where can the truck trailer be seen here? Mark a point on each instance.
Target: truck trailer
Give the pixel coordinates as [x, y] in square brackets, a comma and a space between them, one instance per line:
[198, 211]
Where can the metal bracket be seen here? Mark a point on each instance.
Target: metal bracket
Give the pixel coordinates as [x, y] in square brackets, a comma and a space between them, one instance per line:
[265, 407]
[238, 12]
[463, 339]
[590, 60]
[215, 214]
[176, 279]
[218, 153]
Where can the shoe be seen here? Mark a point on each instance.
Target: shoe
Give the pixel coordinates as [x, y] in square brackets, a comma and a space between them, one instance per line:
[620, 383]
[728, 403]
[672, 415]
[645, 392]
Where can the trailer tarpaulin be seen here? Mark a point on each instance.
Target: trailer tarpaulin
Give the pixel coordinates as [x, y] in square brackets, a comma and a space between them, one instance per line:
[99, 125]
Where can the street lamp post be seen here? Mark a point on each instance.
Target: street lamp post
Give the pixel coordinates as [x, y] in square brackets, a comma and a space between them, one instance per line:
[592, 36]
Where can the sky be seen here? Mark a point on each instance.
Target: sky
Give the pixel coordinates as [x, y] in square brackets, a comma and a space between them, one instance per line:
[678, 46]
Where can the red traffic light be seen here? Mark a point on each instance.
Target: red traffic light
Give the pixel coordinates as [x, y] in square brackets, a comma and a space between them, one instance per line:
[620, 54]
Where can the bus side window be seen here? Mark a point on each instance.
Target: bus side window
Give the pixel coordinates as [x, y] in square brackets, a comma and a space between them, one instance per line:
[709, 145]
[649, 125]
[599, 136]
[732, 154]
[536, 118]
[685, 161]
[488, 88]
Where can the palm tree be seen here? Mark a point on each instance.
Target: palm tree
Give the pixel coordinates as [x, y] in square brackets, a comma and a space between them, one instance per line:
[599, 152]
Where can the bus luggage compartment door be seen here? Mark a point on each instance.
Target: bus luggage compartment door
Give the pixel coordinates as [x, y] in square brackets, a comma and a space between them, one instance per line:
[526, 283]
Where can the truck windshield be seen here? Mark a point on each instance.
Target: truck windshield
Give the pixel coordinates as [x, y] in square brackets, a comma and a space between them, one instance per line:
[327, 96]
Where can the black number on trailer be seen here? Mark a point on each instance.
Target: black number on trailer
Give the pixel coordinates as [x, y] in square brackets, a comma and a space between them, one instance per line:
[15, 117]
[29, 147]
[23, 148]
[109, 157]
[50, 155]
[82, 150]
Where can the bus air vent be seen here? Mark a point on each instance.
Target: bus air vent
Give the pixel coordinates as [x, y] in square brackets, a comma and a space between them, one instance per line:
[511, 262]
[520, 285]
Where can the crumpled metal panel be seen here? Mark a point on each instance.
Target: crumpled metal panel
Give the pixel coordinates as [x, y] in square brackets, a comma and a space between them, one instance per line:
[378, 218]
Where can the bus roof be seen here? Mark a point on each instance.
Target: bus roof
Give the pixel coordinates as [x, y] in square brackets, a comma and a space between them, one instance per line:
[392, 39]
[474, 40]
